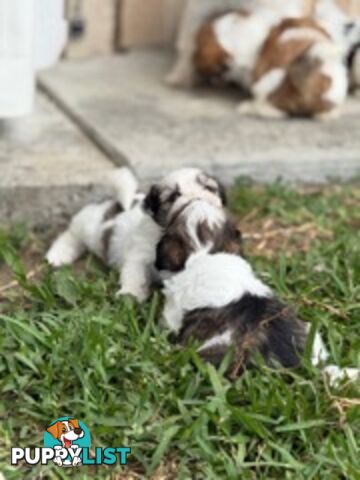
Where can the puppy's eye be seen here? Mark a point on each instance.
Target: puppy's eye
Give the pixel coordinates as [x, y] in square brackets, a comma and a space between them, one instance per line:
[64, 429]
[348, 27]
[212, 188]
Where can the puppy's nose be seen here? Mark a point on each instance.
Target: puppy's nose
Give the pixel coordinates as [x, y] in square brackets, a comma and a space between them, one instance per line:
[78, 431]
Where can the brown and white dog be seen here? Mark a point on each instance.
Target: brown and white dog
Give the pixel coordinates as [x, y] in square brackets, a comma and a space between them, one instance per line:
[291, 67]
[345, 30]
[299, 72]
[197, 14]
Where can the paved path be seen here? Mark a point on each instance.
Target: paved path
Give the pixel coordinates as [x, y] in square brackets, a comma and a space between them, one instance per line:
[124, 105]
[47, 167]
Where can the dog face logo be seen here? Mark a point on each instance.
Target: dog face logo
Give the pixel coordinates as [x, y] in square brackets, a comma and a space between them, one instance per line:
[67, 436]
[67, 443]
[66, 431]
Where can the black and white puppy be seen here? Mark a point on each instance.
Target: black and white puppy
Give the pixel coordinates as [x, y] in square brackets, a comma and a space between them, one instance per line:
[218, 300]
[124, 232]
[194, 224]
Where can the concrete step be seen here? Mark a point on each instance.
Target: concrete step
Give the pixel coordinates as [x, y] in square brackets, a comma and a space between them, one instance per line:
[48, 168]
[124, 105]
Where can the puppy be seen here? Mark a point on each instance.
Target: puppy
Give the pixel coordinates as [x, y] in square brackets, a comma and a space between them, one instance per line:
[192, 225]
[217, 300]
[196, 14]
[345, 30]
[299, 72]
[290, 68]
[227, 46]
[124, 232]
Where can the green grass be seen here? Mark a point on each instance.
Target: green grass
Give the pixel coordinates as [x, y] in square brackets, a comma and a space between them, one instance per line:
[69, 347]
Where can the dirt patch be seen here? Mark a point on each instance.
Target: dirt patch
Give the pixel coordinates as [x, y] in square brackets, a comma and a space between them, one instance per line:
[31, 256]
[268, 237]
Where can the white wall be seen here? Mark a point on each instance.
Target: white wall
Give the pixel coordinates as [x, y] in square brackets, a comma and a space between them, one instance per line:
[32, 35]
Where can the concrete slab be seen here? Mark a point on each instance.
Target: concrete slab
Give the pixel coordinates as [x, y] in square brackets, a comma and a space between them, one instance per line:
[48, 167]
[124, 105]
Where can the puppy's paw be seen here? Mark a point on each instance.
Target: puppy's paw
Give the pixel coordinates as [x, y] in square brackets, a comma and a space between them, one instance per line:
[58, 461]
[254, 108]
[333, 114]
[64, 251]
[57, 258]
[76, 461]
[335, 375]
[140, 294]
[181, 79]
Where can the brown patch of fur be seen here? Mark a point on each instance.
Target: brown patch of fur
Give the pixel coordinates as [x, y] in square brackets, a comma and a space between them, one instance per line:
[302, 91]
[276, 53]
[176, 246]
[259, 325]
[210, 58]
[114, 210]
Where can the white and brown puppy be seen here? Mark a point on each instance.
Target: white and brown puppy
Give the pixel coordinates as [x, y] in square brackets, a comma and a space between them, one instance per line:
[123, 233]
[197, 14]
[345, 30]
[299, 72]
[291, 67]
[228, 44]
[217, 299]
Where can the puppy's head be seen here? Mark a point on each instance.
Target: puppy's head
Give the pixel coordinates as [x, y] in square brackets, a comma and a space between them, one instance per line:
[198, 226]
[179, 188]
[66, 431]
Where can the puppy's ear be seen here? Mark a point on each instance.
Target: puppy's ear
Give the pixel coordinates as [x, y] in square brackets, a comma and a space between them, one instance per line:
[232, 239]
[74, 422]
[54, 430]
[152, 201]
[171, 253]
[222, 193]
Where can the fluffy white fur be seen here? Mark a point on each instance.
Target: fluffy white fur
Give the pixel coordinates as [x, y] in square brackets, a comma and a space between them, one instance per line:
[201, 211]
[132, 244]
[217, 280]
[243, 38]
[329, 54]
[335, 20]
[186, 179]
[195, 14]
[134, 233]
[209, 281]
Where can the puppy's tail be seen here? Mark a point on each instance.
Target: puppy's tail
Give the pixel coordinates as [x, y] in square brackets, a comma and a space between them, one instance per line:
[125, 186]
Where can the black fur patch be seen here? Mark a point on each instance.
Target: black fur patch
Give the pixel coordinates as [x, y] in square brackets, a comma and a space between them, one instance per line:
[260, 325]
[152, 202]
[105, 242]
[171, 253]
[115, 209]
[176, 246]
[351, 55]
